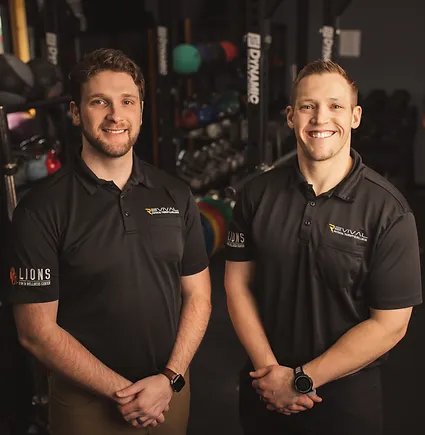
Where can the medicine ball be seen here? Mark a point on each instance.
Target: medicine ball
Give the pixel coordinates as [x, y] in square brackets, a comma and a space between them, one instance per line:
[47, 79]
[212, 53]
[230, 50]
[186, 59]
[16, 76]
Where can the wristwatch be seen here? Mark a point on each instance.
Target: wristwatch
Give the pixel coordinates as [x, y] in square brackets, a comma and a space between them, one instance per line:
[176, 380]
[302, 383]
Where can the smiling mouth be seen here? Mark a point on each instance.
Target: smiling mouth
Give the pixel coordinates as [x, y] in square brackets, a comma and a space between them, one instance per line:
[112, 131]
[320, 134]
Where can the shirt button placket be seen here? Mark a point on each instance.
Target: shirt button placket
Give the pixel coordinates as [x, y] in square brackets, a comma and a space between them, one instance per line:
[306, 228]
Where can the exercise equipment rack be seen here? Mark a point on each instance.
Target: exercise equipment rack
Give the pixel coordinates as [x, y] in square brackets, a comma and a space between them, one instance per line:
[8, 165]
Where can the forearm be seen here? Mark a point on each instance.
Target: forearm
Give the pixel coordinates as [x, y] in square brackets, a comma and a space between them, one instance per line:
[60, 352]
[356, 349]
[249, 328]
[194, 318]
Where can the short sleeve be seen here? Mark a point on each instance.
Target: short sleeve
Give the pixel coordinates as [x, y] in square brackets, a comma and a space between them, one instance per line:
[195, 257]
[239, 245]
[395, 276]
[34, 268]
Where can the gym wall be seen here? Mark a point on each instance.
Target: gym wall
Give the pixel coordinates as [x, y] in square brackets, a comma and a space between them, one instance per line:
[393, 41]
[392, 49]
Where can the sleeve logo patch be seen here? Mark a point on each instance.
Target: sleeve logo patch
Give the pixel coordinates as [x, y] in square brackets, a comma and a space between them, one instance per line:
[30, 277]
[235, 240]
[13, 277]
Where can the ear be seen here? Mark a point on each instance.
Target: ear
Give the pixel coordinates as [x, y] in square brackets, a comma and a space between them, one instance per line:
[356, 117]
[75, 113]
[290, 116]
[141, 112]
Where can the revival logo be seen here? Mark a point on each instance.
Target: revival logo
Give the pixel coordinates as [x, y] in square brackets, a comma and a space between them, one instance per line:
[161, 210]
[346, 232]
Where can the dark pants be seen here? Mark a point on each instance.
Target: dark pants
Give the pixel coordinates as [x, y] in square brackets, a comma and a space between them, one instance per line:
[351, 406]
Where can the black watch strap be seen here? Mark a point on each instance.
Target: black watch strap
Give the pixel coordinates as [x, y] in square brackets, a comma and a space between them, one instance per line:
[302, 382]
[298, 370]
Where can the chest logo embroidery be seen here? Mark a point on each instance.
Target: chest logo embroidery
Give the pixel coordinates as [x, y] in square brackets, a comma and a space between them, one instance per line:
[346, 232]
[162, 210]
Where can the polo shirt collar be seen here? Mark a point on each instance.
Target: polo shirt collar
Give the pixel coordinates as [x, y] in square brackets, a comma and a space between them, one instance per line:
[91, 182]
[346, 189]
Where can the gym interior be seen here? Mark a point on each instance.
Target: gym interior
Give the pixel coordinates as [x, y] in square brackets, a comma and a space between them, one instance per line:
[218, 77]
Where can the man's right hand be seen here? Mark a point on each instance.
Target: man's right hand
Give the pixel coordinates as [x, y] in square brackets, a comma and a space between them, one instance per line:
[149, 399]
[304, 403]
[274, 384]
[121, 401]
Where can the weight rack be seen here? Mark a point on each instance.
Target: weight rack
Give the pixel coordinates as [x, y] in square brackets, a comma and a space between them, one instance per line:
[7, 163]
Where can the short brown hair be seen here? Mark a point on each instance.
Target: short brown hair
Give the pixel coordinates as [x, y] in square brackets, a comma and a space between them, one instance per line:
[323, 67]
[103, 59]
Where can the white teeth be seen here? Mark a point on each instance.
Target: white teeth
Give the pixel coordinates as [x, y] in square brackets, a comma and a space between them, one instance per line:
[114, 131]
[321, 135]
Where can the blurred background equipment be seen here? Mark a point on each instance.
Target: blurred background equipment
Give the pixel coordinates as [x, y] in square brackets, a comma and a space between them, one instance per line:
[218, 79]
[48, 81]
[186, 59]
[16, 77]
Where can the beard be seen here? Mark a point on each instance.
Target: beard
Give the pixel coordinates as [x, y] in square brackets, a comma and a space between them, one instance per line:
[321, 155]
[110, 150]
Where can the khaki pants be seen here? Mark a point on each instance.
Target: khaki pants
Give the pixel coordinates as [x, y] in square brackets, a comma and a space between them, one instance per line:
[75, 411]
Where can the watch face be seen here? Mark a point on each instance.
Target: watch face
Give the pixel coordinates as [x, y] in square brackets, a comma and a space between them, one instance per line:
[178, 383]
[303, 384]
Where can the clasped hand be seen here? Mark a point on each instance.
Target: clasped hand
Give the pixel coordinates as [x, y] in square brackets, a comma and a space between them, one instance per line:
[143, 404]
[274, 385]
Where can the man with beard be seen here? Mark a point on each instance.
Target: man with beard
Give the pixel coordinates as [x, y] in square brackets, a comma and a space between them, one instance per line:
[323, 271]
[111, 288]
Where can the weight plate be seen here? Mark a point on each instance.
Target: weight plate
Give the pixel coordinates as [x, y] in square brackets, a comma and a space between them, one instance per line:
[215, 227]
[208, 235]
[218, 218]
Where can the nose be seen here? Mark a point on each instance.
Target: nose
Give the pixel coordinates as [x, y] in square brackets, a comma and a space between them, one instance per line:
[321, 116]
[114, 113]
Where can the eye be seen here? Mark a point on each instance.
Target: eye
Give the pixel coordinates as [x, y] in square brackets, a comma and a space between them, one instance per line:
[306, 107]
[336, 106]
[98, 102]
[128, 102]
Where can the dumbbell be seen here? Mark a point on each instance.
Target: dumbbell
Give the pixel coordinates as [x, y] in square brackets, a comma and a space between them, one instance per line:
[184, 159]
[238, 156]
[199, 165]
[220, 153]
[196, 180]
[215, 160]
[214, 131]
[195, 160]
[218, 150]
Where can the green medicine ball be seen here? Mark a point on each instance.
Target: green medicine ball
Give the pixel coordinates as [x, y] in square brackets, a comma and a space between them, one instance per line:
[186, 59]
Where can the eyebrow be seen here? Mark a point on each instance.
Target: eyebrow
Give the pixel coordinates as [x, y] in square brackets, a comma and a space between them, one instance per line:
[312, 100]
[102, 95]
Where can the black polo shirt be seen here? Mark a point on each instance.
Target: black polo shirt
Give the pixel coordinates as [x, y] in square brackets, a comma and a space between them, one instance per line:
[112, 258]
[323, 261]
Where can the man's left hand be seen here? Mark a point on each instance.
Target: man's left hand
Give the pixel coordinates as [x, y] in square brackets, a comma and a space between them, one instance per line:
[274, 385]
[152, 397]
